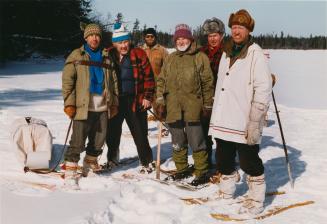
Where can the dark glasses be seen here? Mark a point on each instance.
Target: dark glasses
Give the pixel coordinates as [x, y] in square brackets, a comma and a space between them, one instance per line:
[149, 36]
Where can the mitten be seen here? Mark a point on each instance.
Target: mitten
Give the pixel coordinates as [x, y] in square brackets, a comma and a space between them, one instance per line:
[70, 111]
[256, 122]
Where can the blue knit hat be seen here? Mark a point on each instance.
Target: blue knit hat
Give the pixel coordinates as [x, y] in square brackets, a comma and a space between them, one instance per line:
[120, 33]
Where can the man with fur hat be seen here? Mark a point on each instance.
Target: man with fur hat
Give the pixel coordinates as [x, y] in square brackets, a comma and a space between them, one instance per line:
[214, 30]
[185, 91]
[136, 89]
[242, 97]
[88, 89]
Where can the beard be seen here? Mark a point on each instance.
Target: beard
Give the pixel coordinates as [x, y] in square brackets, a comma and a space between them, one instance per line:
[183, 48]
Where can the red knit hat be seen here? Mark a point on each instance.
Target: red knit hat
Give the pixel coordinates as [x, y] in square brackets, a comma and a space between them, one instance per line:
[183, 30]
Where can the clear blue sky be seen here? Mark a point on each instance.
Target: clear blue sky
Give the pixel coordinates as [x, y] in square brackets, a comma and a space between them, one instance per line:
[297, 18]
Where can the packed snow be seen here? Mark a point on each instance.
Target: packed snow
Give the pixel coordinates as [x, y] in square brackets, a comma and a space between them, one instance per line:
[33, 88]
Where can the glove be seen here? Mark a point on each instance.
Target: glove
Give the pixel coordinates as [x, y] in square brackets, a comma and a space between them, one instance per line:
[256, 122]
[206, 112]
[160, 111]
[70, 111]
[113, 110]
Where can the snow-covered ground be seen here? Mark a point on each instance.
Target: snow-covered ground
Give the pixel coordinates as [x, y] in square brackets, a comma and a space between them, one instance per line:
[34, 89]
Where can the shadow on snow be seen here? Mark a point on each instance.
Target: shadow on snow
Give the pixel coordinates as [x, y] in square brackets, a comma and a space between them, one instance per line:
[276, 174]
[21, 97]
[31, 68]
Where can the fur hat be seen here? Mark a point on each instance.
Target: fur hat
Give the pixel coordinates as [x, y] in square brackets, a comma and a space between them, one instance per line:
[120, 33]
[243, 18]
[183, 30]
[92, 29]
[213, 25]
[150, 31]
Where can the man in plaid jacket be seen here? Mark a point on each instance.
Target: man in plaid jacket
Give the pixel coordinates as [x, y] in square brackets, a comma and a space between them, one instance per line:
[136, 88]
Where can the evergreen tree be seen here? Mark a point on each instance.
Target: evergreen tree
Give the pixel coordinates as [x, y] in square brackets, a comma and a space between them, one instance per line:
[44, 26]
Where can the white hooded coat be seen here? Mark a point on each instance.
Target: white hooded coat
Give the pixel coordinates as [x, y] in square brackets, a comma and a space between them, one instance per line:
[247, 80]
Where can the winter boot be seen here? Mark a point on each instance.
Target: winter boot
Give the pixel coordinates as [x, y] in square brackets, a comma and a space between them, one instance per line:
[256, 195]
[148, 169]
[188, 172]
[90, 163]
[202, 179]
[108, 166]
[179, 176]
[227, 185]
[70, 175]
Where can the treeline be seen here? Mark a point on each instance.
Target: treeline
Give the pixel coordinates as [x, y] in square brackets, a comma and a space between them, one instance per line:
[267, 41]
[46, 27]
[52, 27]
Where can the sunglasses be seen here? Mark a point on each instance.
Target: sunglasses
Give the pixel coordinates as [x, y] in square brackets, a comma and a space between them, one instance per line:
[149, 36]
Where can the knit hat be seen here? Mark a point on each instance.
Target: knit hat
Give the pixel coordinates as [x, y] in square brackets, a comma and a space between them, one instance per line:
[150, 31]
[183, 30]
[213, 25]
[120, 33]
[243, 18]
[92, 29]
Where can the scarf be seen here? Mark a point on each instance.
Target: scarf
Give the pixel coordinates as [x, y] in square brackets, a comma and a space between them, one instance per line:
[236, 49]
[214, 56]
[96, 73]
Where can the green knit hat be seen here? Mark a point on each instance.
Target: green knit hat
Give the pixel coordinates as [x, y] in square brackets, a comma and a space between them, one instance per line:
[92, 29]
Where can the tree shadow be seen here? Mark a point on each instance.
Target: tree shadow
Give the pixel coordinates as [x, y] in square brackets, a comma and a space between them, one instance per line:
[31, 68]
[22, 97]
[276, 174]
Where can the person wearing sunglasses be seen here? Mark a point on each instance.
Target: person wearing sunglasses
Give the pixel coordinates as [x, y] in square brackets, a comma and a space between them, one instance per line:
[156, 54]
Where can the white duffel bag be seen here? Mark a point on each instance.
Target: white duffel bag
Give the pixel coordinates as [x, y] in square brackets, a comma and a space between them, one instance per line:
[32, 142]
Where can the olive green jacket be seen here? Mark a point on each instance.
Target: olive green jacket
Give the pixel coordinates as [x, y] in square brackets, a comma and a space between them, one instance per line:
[76, 83]
[185, 84]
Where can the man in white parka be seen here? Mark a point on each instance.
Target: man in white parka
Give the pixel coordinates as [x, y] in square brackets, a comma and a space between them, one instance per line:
[241, 101]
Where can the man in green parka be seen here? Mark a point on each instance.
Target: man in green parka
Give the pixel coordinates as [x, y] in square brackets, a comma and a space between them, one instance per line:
[184, 92]
[89, 89]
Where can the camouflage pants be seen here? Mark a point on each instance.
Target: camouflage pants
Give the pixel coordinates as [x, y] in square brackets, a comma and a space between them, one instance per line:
[184, 134]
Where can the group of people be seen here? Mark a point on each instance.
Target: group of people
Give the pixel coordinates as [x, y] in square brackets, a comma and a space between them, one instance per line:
[220, 91]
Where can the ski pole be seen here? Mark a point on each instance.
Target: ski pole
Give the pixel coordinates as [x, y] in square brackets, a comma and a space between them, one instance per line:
[158, 152]
[284, 143]
[158, 119]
